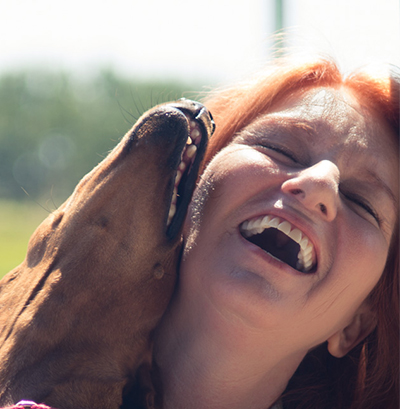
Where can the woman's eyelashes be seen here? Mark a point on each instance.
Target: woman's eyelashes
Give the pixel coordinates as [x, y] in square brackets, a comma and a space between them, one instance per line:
[282, 150]
[362, 205]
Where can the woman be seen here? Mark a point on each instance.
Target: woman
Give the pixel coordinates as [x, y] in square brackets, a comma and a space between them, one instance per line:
[288, 290]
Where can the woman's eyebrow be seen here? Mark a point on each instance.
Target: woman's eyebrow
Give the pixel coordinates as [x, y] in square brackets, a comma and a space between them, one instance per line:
[280, 122]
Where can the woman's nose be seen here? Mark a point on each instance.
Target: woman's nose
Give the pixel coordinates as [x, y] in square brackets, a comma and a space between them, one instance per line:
[317, 188]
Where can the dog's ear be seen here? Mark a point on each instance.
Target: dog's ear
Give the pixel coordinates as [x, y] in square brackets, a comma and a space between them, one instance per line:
[363, 323]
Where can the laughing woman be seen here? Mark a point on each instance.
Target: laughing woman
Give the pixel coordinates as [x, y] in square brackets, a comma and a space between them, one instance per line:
[288, 289]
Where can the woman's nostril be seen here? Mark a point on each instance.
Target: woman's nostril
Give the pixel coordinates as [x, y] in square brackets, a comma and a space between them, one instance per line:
[296, 191]
[323, 208]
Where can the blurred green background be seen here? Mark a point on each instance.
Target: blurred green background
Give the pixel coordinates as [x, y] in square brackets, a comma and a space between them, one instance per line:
[54, 128]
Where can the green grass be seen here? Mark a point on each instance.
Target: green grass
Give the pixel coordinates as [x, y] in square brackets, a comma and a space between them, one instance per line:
[18, 220]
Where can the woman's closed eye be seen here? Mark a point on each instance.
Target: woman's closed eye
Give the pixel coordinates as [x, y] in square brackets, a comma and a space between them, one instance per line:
[280, 150]
[363, 205]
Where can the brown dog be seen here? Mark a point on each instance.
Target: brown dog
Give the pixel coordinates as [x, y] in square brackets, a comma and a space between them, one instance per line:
[76, 317]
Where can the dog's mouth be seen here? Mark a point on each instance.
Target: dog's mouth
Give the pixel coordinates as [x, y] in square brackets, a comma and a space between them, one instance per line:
[280, 239]
[200, 126]
[187, 159]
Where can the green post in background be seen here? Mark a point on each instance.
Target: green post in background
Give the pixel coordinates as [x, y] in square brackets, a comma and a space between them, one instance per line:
[278, 15]
[279, 25]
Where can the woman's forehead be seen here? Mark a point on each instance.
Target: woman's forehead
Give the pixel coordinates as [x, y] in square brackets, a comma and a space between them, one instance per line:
[328, 114]
[336, 107]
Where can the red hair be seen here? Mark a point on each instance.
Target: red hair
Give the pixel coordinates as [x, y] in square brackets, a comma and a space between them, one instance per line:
[368, 377]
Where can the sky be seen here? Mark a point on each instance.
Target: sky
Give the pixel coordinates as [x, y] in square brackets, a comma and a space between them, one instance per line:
[204, 40]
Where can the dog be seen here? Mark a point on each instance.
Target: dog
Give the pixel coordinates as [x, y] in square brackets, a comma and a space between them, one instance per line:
[77, 316]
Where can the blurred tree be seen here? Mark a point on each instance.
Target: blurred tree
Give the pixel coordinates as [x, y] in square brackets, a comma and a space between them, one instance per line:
[55, 127]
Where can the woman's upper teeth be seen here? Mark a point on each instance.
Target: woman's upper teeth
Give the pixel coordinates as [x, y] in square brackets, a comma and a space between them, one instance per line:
[306, 256]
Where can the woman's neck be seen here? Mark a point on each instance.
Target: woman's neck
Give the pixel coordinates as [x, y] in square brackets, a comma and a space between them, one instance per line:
[208, 360]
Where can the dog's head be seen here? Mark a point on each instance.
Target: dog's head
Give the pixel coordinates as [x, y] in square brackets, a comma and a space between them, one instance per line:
[134, 202]
[101, 269]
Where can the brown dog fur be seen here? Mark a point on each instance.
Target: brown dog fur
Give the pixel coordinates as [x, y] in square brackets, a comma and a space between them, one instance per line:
[76, 317]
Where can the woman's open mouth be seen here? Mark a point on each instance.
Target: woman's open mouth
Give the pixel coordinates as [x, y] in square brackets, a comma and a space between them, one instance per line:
[280, 239]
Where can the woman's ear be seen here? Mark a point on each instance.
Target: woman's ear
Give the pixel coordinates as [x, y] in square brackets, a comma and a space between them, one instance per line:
[362, 324]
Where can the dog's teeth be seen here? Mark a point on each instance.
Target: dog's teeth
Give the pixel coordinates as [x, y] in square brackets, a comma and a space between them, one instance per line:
[193, 124]
[195, 133]
[172, 211]
[175, 196]
[189, 141]
[191, 151]
[178, 177]
[182, 166]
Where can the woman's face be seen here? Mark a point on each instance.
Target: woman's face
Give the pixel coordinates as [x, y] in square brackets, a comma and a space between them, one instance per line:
[324, 171]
